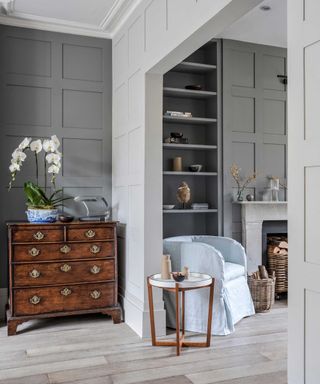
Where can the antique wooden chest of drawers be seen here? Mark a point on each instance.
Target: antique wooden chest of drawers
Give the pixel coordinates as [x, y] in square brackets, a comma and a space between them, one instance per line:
[62, 269]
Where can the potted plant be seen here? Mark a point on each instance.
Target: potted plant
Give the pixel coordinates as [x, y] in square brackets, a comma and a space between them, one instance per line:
[41, 208]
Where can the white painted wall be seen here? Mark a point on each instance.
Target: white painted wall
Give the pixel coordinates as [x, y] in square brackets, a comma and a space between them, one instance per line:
[158, 35]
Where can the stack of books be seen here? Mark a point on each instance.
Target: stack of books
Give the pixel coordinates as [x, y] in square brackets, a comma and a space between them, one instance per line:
[178, 114]
[200, 206]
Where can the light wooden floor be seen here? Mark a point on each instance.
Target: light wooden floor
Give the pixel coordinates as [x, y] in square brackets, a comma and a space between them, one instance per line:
[91, 350]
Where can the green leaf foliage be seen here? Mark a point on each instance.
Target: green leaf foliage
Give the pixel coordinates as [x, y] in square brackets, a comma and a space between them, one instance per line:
[37, 198]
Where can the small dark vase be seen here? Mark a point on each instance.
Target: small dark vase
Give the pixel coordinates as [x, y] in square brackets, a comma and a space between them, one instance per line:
[240, 196]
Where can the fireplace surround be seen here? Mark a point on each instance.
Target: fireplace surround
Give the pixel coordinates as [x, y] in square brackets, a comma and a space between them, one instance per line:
[253, 215]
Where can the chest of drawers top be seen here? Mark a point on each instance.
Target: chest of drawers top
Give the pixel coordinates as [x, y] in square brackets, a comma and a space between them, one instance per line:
[21, 233]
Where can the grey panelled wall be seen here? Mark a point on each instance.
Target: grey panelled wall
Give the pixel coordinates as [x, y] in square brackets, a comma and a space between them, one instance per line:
[59, 84]
[254, 121]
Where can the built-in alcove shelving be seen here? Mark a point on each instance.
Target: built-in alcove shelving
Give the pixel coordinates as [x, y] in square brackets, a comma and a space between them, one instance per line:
[204, 143]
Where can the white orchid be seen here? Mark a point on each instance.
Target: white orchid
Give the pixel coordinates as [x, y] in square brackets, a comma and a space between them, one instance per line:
[36, 146]
[14, 167]
[25, 143]
[49, 145]
[53, 158]
[56, 141]
[18, 156]
[53, 169]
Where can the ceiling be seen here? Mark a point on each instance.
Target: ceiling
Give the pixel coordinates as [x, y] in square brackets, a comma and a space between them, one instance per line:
[261, 27]
[102, 18]
[99, 18]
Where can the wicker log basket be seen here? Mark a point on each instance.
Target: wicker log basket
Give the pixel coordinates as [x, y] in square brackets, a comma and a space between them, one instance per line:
[262, 288]
[278, 262]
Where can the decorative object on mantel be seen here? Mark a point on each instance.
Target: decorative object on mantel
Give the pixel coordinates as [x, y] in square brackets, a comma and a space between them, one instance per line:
[177, 164]
[166, 267]
[262, 288]
[184, 194]
[277, 253]
[241, 183]
[42, 208]
[250, 197]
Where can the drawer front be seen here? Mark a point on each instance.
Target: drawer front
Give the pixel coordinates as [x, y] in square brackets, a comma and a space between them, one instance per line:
[90, 233]
[62, 251]
[33, 235]
[39, 274]
[34, 301]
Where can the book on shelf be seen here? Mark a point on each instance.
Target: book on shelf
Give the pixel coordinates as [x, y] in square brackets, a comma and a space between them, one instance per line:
[200, 206]
[178, 114]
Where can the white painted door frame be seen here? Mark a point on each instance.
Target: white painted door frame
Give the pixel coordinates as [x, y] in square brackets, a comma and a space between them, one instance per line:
[304, 185]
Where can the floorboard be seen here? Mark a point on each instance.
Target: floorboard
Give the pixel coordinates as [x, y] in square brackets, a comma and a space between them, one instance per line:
[92, 350]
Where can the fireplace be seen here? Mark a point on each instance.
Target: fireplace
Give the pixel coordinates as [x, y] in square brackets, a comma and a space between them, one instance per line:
[271, 229]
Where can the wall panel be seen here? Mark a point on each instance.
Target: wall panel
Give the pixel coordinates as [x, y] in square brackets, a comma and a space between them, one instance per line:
[254, 121]
[55, 84]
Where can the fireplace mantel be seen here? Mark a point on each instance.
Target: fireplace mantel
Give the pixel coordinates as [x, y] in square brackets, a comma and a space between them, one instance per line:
[253, 214]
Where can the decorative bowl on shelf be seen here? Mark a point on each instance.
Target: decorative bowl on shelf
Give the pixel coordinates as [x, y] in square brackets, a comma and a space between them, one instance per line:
[194, 87]
[178, 276]
[168, 206]
[66, 218]
[195, 167]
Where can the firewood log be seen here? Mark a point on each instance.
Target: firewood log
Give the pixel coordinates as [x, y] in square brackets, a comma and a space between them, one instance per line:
[283, 252]
[263, 272]
[276, 250]
[283, 244]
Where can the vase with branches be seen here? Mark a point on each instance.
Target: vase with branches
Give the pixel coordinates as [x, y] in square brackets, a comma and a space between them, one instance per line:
[242, 182]
[42, 207]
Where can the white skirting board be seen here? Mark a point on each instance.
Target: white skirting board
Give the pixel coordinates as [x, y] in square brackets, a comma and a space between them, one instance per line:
[3, 302]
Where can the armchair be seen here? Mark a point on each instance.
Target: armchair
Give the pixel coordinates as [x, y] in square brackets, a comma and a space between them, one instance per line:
[225, 260]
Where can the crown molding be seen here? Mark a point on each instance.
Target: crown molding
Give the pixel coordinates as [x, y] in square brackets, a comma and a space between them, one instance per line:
[114, 19]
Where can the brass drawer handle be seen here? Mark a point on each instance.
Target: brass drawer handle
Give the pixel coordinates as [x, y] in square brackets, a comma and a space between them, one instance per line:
[95, 249]
[34, 252]
[35, 300]
[95, 294]
[38, 235]
[65, 249]
[34, 274]
[90, 234]
[95, 270]
[66, 292]
[65, 268]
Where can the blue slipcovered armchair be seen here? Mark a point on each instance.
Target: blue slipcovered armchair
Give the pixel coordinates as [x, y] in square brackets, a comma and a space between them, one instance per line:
[224, 259]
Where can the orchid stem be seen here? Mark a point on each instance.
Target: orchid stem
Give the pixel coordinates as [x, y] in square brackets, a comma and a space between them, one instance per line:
[37, 169]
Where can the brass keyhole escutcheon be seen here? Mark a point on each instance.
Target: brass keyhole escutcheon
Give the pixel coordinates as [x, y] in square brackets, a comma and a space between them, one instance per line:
[34, 252]
[90, 234]
[66, 292]
[35, 300]
[65, 249]
[38, 235]
[95, 249]
[65, 268]
[95, 270]
[95, 294]
[34, 274]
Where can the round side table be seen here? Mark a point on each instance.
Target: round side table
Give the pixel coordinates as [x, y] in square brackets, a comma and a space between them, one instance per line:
[195, 281]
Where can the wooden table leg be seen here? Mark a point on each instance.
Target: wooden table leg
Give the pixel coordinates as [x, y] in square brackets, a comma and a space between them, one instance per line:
[151, 313]
[183, 312]
[177, 320]
[210, 313]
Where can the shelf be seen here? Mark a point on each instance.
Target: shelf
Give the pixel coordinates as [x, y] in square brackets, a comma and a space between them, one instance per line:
[189, 146]
[189, 120]
[184, 211]
[189, 93]
[189, 67]
[172, 173]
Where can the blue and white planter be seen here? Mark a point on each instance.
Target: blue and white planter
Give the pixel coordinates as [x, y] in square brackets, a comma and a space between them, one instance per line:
[42, 215]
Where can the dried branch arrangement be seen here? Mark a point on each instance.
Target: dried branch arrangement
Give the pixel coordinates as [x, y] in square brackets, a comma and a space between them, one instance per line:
[242, 183]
